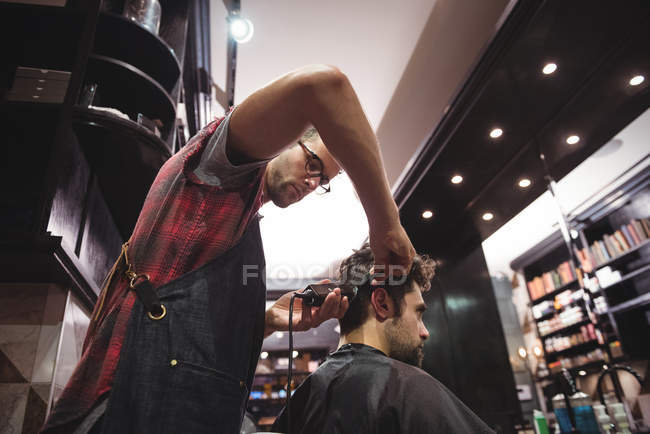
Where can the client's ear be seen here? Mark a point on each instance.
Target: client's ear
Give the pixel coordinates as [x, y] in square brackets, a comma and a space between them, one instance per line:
[382, 304]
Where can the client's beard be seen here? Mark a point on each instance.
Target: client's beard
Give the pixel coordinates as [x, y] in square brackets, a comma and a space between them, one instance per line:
[401, 346]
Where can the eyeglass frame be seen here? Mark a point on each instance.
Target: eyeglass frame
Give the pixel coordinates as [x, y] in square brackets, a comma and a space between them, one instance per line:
[324, 180]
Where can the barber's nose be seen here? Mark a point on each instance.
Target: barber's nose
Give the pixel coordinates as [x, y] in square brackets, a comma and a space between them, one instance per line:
[312, 183]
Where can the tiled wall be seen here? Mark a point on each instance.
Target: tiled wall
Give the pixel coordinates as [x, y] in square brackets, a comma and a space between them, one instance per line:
[42, 327]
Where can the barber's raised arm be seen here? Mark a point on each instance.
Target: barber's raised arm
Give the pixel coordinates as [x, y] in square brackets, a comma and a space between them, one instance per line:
[275, 116]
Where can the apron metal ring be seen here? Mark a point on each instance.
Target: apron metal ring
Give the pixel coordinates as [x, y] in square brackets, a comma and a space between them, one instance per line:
[135, 278]
[159, 316]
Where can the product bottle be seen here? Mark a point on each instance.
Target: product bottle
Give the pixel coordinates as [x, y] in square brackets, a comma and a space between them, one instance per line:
[540, 422]
[584, 414]
[561, 413]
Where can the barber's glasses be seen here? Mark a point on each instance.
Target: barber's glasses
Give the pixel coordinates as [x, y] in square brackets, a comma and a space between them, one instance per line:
[314, 170]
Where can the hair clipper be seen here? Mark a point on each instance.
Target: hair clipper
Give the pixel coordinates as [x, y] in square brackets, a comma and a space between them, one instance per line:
[314, 294]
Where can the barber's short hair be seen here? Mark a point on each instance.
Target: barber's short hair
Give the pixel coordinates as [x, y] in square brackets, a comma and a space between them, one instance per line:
[359, 264]
[310, 134]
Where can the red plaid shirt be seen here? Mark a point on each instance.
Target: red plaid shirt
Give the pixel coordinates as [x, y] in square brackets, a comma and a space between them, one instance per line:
[184, 223]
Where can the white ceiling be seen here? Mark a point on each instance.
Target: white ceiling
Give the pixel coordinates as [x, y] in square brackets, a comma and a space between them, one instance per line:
[406, 60]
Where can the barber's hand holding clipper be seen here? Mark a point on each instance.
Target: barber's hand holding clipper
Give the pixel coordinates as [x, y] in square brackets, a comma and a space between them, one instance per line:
[393, 253]
[304, 317]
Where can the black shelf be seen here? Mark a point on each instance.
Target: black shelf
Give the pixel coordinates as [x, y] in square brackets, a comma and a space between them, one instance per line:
[125, 157]
[128, 89]
[627, 277]
[120, 38]
[555, 312]
[624, 255]
[634, 303]
[585, 367]
[546, 316]
[555, 292]
[566, 329]
[575, 349]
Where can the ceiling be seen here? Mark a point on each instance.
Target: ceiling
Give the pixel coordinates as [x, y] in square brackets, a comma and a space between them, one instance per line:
[405, 63]
[597, 48]
[434, 80]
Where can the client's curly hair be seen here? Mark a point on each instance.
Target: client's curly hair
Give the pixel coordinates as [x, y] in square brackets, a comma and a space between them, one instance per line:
[357, 265]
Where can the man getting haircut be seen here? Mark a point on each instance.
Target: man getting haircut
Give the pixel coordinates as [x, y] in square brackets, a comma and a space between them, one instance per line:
[373, 382]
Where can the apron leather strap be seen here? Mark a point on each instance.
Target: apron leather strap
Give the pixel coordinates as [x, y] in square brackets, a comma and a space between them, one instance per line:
[142, 286]
[147, 295]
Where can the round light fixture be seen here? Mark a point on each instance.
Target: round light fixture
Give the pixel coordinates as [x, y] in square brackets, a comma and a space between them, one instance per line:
[537, 350]
[524, 183]
[488, 216]
[264, 355]
[294, 354]
[582, 373]
[427, 214]
[522, 352]
[636, 80]
[549, 68]
[241, 29]
[496, 133]
[572, 140]
[456, 179]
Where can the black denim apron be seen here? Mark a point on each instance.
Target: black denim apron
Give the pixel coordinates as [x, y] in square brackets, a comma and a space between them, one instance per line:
[191, 371]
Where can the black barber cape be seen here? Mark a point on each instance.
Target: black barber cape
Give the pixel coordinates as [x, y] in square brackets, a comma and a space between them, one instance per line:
[360, 390]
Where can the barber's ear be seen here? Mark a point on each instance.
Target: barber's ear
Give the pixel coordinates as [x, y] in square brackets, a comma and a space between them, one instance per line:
[382, 304]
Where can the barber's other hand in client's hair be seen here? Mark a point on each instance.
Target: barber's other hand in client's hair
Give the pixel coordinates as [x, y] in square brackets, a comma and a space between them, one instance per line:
[304, 317]
[393, 252]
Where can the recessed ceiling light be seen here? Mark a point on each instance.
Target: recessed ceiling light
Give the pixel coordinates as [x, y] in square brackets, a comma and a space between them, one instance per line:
[264, 355]
[294, 354]
[582, 373]
[636, 80]
[549, 68]
[456, 179]
[496, 133]
[572, 140]
[524, 183]
[488, 216]
[427, 214]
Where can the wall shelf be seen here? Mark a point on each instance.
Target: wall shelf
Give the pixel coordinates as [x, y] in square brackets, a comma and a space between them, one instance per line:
[590, 366]
[575, 349]
[128, 89]
[640, 301]
[625, 255]
[627, 277]
[555, 292]
[126, 158]
[119, 38]
[566, 329]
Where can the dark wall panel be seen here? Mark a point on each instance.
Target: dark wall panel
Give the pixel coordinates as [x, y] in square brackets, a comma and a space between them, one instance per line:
[101, 242]
[472, 360]
[438, 360]
[73, 174]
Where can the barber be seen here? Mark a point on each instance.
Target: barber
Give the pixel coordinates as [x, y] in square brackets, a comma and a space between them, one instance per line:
[178, 328]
